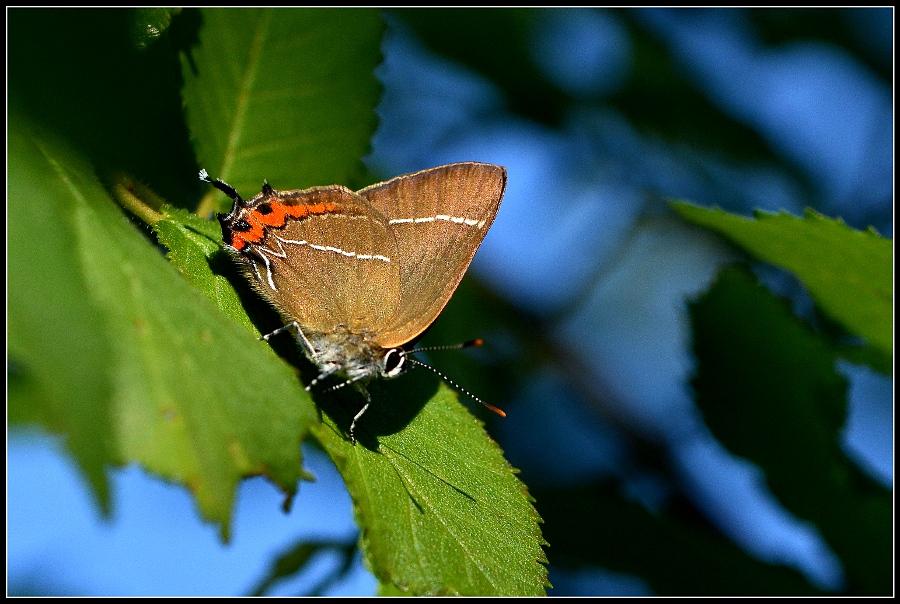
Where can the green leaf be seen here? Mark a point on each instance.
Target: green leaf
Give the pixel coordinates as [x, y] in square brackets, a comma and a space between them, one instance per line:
[194, 246]
[120, 106]
[192, 396]
[440, 509]
[388, 590]
[848, 273]
[60, 356]
[294, 560]
[875, 358]
[768, 389]
[149, 24]
[286, 95]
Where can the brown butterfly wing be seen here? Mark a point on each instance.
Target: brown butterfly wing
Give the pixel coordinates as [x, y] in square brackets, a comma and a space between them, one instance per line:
[439, 217]
[329, 268]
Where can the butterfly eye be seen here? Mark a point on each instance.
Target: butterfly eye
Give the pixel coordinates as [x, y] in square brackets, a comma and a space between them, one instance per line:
[393, 363]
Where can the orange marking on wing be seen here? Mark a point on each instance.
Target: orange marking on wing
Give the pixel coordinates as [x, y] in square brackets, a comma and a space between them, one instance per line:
[322, 208]
[257, 227]
[297, 211]
[275, 218]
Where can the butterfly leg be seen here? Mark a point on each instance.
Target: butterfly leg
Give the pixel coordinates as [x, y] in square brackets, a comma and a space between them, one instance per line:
[307, 345]
[292, 325]
[356, 417]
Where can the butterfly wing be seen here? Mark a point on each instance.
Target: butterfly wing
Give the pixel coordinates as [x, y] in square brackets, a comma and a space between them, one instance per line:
[438, 217]
[332, 262]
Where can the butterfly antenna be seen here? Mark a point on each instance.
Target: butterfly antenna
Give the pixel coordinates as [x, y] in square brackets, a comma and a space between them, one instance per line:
[222, 186]
[469, 344]
[499, 412]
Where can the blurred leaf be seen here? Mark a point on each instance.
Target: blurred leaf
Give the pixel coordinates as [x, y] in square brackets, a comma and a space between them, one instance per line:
[178, 403]
[836, 26]
[494, 42]
[440, 508]
[848, 273]
[499, 44]
[294, 560]
[150, 24]
[60, 356]
[769, 391]
[285, 95]
[594, 525]
[689, 117]
[867, 355]
[119, 106]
